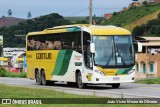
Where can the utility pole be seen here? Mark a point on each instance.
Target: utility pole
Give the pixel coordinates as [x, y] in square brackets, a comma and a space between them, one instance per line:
[90, 13]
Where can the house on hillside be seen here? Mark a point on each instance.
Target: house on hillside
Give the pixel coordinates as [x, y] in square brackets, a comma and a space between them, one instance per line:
[148, 1]
[124, 10]
[138, 3]
[108, 15]
[148, 61]
[157, 1]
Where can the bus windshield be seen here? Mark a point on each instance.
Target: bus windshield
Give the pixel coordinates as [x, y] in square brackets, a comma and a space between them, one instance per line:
[113, 51]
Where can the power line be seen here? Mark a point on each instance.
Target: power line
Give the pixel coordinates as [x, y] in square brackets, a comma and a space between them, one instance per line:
[94, 9]
[108, 8]
[79, 12]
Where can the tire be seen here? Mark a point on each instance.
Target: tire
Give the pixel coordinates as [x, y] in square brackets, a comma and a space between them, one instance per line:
[44, 81]
[116, 85]
[80, 84]
[38, 78]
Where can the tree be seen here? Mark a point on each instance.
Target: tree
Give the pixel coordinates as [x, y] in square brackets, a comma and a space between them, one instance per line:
[29, 15]
[139, 30]
[3, 16]
[9, 12]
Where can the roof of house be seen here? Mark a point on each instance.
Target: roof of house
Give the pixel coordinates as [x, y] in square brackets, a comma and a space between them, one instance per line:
[151, 38]
[151, 44]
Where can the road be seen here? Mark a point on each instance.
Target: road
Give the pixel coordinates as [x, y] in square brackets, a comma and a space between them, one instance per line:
[127, 90]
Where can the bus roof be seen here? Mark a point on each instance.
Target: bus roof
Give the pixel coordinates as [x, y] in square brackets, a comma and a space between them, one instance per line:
[108, 30]
[93, 29]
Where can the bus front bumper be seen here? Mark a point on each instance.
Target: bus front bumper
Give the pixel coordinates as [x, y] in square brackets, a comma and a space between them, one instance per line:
[112, 79]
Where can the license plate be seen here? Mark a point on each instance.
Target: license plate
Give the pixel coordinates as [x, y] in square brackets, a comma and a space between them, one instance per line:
[116, 78]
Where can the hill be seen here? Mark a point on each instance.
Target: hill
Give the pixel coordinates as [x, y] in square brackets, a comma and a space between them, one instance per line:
[142, 20]
[10, 21]
[134, 15]
[83, 19]
[76, 18]
[36, 24]
[151, 28]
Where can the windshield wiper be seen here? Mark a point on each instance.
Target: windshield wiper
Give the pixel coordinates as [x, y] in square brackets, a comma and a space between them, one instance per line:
[110, 57]
[112, 54]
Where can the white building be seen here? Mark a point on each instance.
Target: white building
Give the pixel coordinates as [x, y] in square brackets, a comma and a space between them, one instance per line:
[148, 61]
[10, 52]
[149, 1]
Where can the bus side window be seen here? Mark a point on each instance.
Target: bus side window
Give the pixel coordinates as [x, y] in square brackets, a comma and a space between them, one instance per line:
[76, 42]
[57, 45]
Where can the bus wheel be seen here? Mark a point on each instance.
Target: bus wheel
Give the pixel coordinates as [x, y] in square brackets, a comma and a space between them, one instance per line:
[38, 78]
[44, 81]
[79, 81]
[116, 85]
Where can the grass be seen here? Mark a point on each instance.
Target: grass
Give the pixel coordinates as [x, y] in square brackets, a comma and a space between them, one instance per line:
[149, 81]
[131, 15]
[142, 21]
[21, 92]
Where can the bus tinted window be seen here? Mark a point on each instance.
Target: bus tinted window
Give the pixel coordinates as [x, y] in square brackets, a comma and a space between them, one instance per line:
[57, 41]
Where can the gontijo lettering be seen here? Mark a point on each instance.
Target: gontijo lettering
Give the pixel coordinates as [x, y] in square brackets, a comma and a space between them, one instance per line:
[43, 55]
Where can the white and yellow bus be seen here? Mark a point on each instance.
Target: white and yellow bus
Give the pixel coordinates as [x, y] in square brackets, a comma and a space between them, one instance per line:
[81, 54]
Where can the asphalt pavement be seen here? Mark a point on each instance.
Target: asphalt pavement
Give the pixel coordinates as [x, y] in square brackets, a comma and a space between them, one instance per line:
[126, 90]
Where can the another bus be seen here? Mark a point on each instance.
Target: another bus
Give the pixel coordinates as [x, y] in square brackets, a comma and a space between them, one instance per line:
[81, 54]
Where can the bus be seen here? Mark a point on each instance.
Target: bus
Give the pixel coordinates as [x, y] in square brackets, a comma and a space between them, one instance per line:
[81, 55]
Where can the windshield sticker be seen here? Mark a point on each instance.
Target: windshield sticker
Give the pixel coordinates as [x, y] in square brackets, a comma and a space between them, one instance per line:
[116, 53]
[119, 60]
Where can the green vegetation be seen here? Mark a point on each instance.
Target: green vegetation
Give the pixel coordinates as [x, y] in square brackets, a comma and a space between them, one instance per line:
[36, 24]
[142, 21]
[84, 20]
[133, 14]
[5, 73]
[152, 28]
[18, 75]
[149, 81]
[11, 92]
[2, 71]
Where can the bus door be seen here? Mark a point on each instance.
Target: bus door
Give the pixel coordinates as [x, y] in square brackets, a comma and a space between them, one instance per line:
[87, 56]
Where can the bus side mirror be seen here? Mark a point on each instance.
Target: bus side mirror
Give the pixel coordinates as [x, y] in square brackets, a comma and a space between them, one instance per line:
[92, 47]
[139, 46]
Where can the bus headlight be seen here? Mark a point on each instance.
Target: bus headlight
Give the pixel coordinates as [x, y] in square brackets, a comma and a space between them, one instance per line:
[130, 72]
[100, 72]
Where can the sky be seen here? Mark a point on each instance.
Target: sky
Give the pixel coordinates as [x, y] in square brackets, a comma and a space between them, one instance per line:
[20, 8]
